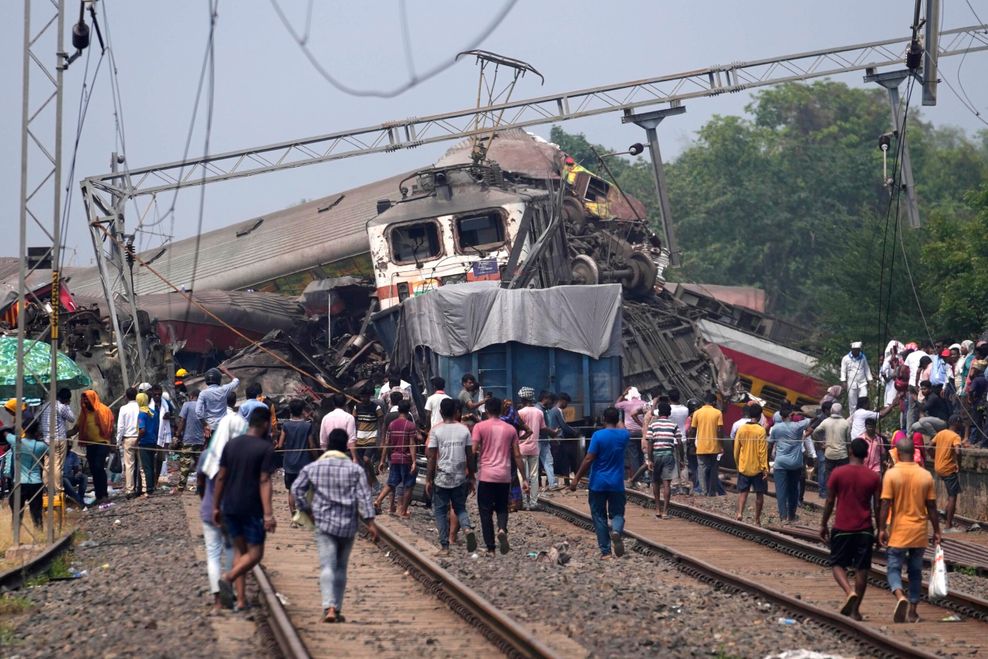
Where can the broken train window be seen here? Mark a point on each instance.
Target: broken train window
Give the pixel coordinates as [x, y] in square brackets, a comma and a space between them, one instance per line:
[479, 230]
[415, 242]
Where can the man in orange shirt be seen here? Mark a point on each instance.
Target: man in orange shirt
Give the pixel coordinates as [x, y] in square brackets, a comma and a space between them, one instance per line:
[706, 426]
[944, 448]
[908, 493]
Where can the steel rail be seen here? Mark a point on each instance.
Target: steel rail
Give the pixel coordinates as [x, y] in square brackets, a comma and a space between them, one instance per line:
[285, 634]
[706, 572]
[968, 605]
[14, 578]
[509, 637]
[957, 552]
[813, 485]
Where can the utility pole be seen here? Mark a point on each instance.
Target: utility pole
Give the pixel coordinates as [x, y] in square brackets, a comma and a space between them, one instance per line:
[41, 182]
[891, 81]
[650, 121]
[931, 47]
[61, 64]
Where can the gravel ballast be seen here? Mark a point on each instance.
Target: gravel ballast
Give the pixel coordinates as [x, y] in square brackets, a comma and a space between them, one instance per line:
[809, 517]
[143, 593]
[633, 606]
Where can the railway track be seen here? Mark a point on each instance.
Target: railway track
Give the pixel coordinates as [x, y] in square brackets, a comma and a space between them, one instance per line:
[808, 550]
[787, 579]
[957, 552]
[399, 603]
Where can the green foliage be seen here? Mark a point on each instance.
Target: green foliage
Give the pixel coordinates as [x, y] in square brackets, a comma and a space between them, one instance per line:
[790, 198]
[956, 255]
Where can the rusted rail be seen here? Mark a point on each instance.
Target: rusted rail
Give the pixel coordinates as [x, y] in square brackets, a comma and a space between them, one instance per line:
[883, 645]
[285, 634]
[811, 552]
[506, 634]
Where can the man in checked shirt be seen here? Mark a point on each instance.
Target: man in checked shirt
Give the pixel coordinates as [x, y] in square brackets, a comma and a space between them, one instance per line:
[339, 492]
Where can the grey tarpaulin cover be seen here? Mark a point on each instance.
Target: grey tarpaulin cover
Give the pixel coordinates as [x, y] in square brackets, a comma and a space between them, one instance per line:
[463, 318]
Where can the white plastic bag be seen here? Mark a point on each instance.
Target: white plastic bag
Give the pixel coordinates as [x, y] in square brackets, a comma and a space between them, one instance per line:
[938, 579]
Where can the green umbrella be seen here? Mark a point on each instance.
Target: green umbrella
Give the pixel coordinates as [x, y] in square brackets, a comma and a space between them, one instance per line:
[37, 369]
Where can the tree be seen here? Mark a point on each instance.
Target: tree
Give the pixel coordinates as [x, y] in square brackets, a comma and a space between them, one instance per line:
[791, 198]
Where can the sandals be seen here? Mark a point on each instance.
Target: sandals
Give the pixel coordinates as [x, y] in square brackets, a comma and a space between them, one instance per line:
[899, 615]
[849, 604]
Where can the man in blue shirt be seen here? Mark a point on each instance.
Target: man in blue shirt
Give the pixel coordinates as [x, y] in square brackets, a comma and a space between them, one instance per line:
[605, 461]
[786, 438]
[211, 404]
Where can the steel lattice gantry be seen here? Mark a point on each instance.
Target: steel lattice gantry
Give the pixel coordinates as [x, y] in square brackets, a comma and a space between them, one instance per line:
[623, 97]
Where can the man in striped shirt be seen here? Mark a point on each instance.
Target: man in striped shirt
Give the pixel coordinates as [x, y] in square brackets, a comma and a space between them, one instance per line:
[661, 441]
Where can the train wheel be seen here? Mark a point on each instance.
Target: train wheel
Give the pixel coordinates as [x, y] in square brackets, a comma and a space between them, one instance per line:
[584, 270]
[645, 277]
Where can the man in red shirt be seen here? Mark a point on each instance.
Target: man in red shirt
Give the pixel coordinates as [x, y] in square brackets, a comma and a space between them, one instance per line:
[496, 445]
[855, 489]
[401, 438]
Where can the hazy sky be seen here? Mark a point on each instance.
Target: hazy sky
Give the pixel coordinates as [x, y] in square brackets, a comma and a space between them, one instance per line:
[266, 90]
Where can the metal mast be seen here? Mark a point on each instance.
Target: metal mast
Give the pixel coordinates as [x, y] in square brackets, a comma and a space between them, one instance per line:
[41, 185]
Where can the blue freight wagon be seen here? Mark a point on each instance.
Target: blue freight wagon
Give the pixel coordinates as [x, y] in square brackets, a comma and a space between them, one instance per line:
[565, 338]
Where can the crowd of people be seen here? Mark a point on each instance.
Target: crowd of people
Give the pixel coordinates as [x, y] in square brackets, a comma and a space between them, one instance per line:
[346, 459]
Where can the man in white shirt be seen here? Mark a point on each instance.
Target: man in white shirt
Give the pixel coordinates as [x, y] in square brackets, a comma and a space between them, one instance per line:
[127, 438]
[338, 417]
[863, 413]
[855, 374]
[915, 376]
[432, 402]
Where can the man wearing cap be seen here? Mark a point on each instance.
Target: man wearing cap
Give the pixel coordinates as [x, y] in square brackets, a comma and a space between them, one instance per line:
[211, 405]
[855, 375]
[529, 448]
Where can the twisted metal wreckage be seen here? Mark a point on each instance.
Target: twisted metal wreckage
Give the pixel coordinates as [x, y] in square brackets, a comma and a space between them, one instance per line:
[527, 216]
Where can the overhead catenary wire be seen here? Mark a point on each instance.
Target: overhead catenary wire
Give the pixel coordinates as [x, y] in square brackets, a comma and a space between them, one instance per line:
[210, 103]
[413, 81]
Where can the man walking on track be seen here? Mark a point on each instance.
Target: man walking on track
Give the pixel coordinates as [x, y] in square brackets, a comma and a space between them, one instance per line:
[243, 498]
[496, 445]
[751, 457]
[909, 495]
[854, 489]
[450, 477]
[605, 462]
[339, 493]
[661, 441]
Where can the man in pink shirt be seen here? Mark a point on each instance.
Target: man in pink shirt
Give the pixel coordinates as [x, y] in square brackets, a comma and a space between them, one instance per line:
[876, 446]
[534, 418]
[633, 408]
[339, 418]
[495, 444]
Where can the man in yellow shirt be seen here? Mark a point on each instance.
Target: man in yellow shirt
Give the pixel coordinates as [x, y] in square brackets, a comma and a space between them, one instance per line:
[751, 457]
[706, 427]
[908, 493]
[944, 448]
